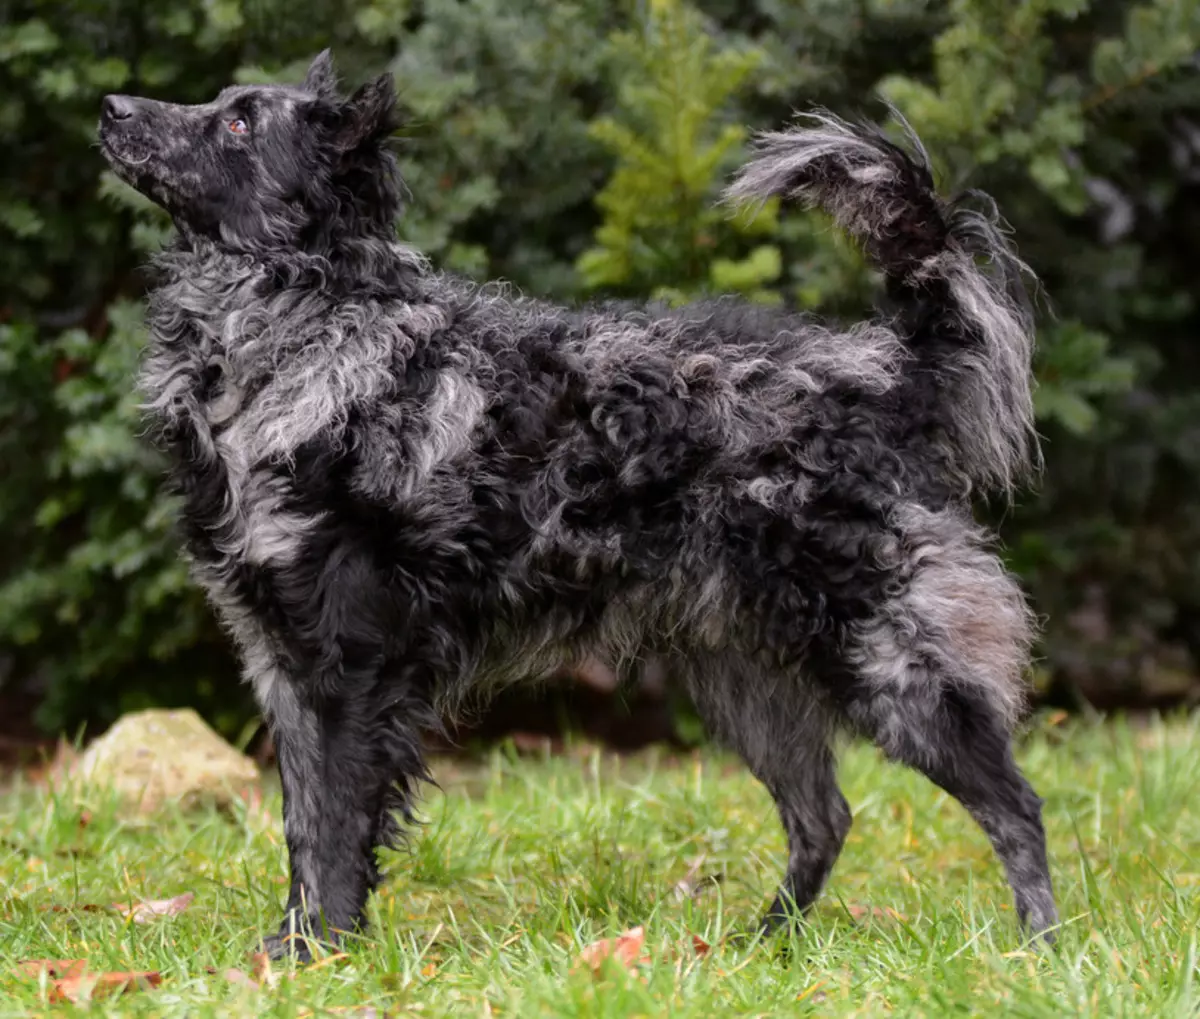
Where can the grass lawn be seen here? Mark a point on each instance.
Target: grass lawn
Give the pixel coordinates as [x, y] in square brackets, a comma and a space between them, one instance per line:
[523, 862]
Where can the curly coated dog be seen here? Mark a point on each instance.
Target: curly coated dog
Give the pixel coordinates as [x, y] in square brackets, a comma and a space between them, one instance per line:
[403, 490]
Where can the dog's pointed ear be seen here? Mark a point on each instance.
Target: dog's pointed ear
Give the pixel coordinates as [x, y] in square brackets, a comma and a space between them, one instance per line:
[368, 114]
[321, 78]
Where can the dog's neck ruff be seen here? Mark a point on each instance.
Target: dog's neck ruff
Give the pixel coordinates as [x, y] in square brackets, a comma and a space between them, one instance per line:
[277, 343]
[360, 267]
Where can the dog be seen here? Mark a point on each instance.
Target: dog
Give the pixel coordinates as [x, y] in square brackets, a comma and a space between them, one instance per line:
[403, 490]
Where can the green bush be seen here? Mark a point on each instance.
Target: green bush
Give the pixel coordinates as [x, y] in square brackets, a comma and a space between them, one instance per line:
[577, 148]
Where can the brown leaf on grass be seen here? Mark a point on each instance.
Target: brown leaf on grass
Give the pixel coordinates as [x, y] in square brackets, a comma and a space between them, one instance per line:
[53, 968]
[261, 967]
[264, 972]
[71, 981]
[625, 948]
[145, 912]
[101, 985]
[693, 948]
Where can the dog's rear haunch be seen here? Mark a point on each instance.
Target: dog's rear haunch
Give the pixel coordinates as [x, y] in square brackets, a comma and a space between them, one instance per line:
[403, 491]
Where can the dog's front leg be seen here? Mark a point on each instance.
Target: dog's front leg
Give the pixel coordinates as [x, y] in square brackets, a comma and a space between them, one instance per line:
[350, 762]
[296, 732]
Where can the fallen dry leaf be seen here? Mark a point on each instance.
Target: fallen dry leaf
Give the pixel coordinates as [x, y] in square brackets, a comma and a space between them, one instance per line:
[236, 976]
[700, 946]
[70, 980]
[144, 912]
[261, 966]
[53, 967]
[625, 948]
[262, 971]
[100, 985]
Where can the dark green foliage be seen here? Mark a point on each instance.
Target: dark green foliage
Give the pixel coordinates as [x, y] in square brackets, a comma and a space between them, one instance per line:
[663, 234]
[577, 147]
[498, 157]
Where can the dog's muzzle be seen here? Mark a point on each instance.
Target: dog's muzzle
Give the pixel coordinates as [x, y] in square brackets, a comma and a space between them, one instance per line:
[118, 109]
[123, 121]
[125, 124]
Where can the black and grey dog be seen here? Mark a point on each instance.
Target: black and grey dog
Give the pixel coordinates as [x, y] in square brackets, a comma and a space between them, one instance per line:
[403, 490]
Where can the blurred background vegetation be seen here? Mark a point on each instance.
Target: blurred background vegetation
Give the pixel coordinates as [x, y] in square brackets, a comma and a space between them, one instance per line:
[576, 147]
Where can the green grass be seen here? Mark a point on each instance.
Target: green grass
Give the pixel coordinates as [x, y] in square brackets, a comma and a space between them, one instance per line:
[522, 862]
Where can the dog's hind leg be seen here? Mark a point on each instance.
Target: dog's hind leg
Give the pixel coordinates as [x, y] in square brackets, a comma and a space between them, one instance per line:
[783, 734]
[937, 685]
[960, 744]
[816, 819]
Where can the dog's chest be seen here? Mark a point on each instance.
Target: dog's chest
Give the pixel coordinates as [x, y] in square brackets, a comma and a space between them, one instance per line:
[227, 430]
[261, 525]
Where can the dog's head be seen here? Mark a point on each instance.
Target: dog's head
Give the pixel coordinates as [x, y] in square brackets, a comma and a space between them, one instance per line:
[263, 167]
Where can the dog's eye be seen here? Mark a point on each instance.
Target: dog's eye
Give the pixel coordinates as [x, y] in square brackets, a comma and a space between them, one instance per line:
[239, 126]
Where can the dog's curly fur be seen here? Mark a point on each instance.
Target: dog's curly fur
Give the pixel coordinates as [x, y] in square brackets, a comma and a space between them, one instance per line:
[403, 490]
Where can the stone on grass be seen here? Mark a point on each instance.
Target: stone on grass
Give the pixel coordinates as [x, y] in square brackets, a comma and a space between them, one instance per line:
[156, 758]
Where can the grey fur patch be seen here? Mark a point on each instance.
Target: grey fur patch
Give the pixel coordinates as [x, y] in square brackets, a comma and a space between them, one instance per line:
[959, 618]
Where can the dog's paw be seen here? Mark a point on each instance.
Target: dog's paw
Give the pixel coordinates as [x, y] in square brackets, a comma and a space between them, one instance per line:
[1044, 936]
[298, 940]
[762, 931]
[1039, 918]
[287, 946]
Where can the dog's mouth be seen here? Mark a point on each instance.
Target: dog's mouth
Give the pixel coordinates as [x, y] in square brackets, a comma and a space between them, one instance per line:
[123, 152]
[125, 162]
[133, 161]
[127, 139]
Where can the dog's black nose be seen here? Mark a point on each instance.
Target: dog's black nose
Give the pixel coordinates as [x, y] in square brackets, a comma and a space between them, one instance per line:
[119, 107]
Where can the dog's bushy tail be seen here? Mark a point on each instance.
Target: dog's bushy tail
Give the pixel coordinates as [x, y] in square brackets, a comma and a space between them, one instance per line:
[951, 266]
